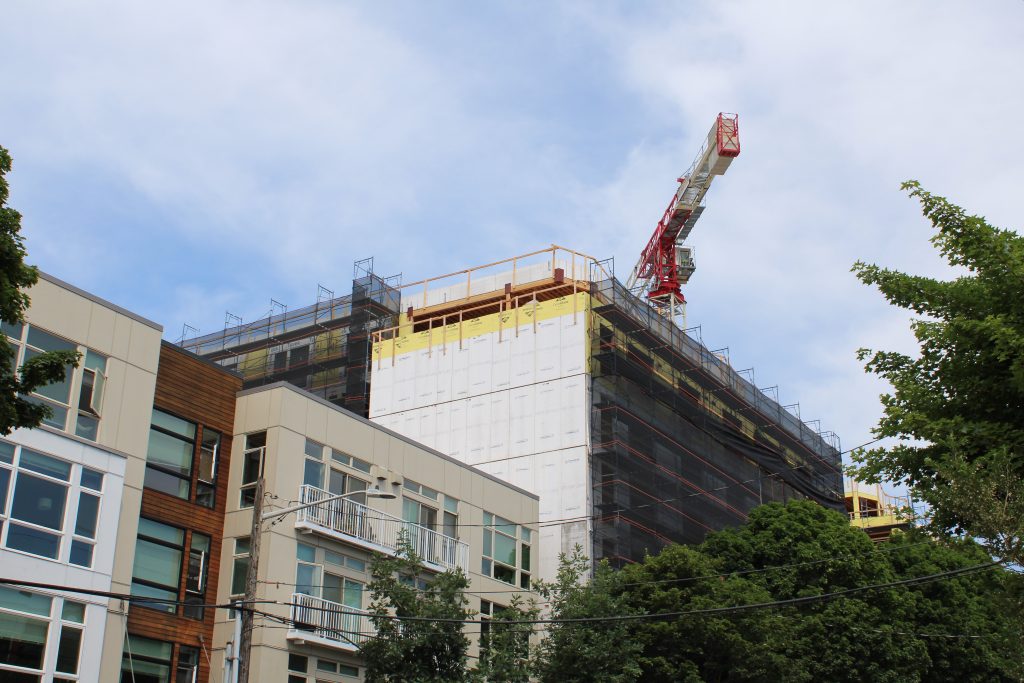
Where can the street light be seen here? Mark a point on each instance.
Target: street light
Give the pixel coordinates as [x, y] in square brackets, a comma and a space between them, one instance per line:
[258, 517]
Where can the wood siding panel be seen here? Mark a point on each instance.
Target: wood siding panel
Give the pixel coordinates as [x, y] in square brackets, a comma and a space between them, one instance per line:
[200, 392]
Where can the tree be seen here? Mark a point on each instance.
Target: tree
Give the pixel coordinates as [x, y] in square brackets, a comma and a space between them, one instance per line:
[505, 644]
[593, 651]
[15, 277]
[406, 648]
[958, 406]
[959, 629]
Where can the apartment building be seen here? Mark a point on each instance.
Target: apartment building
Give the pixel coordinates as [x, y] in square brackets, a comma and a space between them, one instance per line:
[70, 489]
[180, 521]
[314, 563]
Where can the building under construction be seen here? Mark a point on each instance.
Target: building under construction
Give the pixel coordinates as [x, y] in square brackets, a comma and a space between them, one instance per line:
[548, 372]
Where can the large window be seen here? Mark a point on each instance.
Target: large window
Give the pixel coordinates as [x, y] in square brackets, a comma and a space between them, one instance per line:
[29, 624]
[240, 566]
[76, 403]
[321, 573]
[172, 456]
[48, 507]
[152, 661]
[252, 465]
[507, 555]
[158, 558]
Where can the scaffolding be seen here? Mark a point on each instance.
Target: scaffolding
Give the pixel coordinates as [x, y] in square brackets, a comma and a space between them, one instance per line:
[323, 348]
[682, 444]
[876, 512]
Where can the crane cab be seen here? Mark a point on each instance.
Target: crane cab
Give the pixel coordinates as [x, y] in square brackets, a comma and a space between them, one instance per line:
[684, 263]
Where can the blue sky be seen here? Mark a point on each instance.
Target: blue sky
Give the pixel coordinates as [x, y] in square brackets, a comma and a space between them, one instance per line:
[195, 157]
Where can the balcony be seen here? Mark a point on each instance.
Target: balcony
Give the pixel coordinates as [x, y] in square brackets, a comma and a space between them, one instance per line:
[362, 526]
[322, 622]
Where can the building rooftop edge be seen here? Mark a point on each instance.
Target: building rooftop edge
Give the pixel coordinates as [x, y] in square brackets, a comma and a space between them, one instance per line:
[103, 302]
[201, 359]
[375, 425]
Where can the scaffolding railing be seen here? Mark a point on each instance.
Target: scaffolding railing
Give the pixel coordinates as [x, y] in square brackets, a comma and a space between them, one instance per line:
[610, 291]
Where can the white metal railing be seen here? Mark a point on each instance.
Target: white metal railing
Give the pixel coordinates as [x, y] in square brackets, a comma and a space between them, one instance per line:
[380, 529]
[348, 626]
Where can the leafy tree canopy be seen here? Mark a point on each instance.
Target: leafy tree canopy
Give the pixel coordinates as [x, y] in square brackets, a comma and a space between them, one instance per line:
[958, 406]
[959, 629]
[15, 278]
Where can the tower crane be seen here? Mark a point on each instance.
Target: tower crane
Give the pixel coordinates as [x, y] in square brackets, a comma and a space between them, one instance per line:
[666, 263]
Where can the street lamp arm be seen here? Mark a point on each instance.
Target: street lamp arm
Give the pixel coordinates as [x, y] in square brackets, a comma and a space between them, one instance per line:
[372, 492]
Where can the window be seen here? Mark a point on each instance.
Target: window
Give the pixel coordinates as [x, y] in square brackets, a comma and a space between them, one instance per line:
[48, 507]
[158, 557]
[146, 661]
[420, 489]
[32, 622]
[252, 466]
[187, 670]
[240, 566]
[313, 469]
[169, 458]
[315, 575]
[195, 578]
[209, 452]
[422, 520]
[450, 525]
[90, 378]
[349, 460]
[506, 551]
[298, 663]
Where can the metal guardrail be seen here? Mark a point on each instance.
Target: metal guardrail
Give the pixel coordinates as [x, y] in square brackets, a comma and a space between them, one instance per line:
[380, 530]
[348, 626]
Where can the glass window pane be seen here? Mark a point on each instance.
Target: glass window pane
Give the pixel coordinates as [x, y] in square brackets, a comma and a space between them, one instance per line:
[251, 467]
[44, 464]
[314, 450]
[306, 553]
[297, 663]
[525, 559]
[239, 574]
[306, 580]
[33, 541]
[39, 501]
[12, 330]
[73, 611]
[163, 598]
[95, 361]
[92, 479]
[6, 452]
[58, 415]
[504, 549]
[487, 543]
[242, 546]
[163, 532]
[81, 553]
[88, 512]
[167, 483]
[340, 456]
[5, 480]
[87, 427]
[169, 452]
[451, 504]
[353, 596]
[146, 647]
[25, 601]
[524, 533]
[22, 641]
[502, 573]
[60, 390]
[314, 474]
[360, 465]
[48, 342]
[67, 650]
[157, 563]
[174, 424]
[348, 670]
[332, 588]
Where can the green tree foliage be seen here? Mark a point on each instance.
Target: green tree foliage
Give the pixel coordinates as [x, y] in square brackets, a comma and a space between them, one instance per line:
[408, 649]
[505, 647]
[960, 629]
[958, 406]
[592, 651]
[15, 278]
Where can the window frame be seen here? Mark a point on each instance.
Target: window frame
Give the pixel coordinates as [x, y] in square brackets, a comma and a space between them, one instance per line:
[522, 539]
[57, 624]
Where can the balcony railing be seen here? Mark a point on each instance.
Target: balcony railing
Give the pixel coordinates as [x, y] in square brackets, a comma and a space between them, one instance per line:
[350, 521]
[328, 622]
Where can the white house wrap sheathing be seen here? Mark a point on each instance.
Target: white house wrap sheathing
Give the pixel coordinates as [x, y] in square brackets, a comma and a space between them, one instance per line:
[512, 401]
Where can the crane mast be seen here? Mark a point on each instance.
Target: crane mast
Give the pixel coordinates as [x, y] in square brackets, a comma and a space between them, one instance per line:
[666, 263]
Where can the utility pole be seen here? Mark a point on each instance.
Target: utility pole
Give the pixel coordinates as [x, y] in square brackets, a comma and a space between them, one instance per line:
[245, 646]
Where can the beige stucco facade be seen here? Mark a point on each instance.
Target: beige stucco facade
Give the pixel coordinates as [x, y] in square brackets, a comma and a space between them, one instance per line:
[117, 447]
[297, 423]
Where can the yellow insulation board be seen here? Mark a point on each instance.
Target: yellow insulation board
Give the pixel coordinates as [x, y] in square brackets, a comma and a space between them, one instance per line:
[407, 341]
